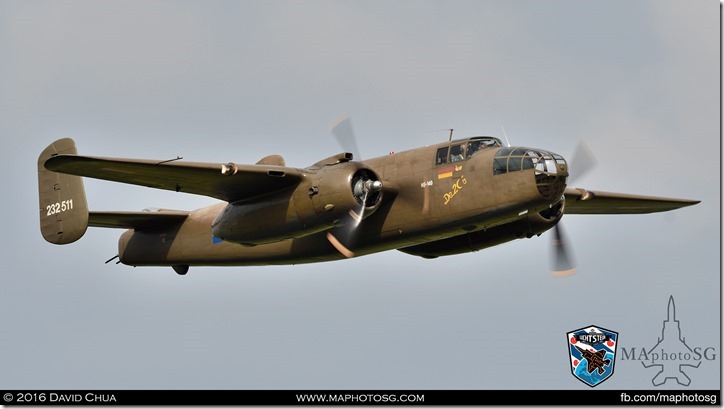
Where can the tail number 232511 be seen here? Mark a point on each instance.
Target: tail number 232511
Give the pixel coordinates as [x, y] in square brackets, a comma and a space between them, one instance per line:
[59, 207]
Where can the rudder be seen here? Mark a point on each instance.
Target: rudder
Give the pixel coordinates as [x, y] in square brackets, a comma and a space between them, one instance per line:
[63, 205]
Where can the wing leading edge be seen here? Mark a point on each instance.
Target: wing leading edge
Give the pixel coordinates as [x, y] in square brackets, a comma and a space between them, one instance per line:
[229, 182]
[581, 201]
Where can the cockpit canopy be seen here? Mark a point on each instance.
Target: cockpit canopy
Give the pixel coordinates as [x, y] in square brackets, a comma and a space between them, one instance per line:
[463, 149]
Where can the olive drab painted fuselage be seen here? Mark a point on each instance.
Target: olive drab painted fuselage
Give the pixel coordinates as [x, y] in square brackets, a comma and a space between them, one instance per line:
[427, 202]
[450, 198]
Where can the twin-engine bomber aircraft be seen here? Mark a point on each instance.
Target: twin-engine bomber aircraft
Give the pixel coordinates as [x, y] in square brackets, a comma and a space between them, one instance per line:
[454, 197]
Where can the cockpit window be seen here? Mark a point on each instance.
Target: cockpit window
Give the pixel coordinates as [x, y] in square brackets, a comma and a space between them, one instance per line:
[462, 150]
[478, 143]
[457, 153]
[474, 146]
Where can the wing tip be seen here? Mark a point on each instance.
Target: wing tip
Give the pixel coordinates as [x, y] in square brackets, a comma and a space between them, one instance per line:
[583, 201]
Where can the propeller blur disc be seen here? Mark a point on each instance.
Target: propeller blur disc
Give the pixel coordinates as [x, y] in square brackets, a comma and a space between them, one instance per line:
[562, 264]
[342, 131]
[582, 162]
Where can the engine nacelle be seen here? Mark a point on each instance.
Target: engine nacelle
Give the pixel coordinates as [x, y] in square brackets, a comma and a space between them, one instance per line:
[331, 196]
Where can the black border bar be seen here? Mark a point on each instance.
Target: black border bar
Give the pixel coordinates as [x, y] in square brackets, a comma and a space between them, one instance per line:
[360, 397]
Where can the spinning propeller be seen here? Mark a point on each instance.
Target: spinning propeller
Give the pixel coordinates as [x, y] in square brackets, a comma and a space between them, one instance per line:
[582, 161]
[341, 129]
[366, 188]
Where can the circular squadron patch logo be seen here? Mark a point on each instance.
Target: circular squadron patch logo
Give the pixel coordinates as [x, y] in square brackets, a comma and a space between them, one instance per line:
[592, 353]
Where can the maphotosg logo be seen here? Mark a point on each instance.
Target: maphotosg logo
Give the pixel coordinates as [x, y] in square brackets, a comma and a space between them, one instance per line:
[671, 355]
[592, 354]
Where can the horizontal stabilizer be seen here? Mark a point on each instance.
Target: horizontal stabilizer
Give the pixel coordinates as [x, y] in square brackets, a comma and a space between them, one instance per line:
[137, 220]
[581, 201]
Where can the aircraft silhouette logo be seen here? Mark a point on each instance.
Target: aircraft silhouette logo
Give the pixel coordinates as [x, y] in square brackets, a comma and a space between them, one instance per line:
[675, 346]
[592, 353]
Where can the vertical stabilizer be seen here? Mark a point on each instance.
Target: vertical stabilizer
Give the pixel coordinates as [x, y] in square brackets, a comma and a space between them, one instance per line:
[63, 206]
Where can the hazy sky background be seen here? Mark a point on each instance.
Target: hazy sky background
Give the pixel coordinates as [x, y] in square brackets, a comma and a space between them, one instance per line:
[223, 81]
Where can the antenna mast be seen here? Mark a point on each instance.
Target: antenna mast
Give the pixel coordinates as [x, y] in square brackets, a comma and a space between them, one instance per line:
[451, 131]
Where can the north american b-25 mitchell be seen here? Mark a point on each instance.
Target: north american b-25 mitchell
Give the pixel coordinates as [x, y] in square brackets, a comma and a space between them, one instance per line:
[454, 197]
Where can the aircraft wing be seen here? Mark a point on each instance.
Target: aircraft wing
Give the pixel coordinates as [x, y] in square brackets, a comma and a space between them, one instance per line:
[228, 182]
[136, 220]
[581, 201]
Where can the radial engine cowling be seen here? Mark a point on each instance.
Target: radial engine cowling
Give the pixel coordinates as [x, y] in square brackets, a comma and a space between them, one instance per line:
[328, 197]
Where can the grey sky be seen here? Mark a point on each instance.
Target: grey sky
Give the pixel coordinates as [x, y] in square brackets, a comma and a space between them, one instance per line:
[237, 80]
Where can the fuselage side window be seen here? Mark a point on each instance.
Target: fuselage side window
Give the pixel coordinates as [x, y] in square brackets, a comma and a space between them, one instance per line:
[441, 156]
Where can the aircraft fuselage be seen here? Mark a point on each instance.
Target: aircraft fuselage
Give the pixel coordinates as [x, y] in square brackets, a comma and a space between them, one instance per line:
[430, 206]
